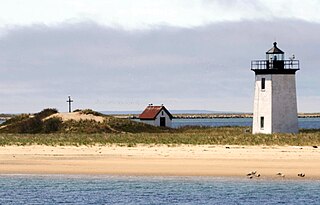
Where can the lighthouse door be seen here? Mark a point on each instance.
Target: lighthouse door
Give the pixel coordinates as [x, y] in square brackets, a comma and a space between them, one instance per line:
[162, 121]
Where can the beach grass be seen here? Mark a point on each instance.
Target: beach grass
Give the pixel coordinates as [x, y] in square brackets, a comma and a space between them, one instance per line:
[30, 129]
[187, 135]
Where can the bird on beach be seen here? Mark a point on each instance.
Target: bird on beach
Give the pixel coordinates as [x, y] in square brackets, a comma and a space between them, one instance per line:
[302, 175]
[253, 174]
[281, 174]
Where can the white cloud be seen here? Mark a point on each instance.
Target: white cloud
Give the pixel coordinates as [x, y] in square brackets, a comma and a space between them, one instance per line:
[140, 14]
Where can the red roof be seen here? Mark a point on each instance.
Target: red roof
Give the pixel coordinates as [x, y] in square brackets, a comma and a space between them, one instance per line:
[151, 112]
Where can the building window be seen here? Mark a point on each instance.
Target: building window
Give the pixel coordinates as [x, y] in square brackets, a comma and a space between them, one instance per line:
[261, 122]
[162, 112]
[263, 83]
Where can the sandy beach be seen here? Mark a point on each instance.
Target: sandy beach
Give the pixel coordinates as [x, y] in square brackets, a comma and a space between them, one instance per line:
[182, 160]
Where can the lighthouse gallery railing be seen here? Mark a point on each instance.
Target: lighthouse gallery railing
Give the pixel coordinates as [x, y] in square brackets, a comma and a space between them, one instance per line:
[284, 64]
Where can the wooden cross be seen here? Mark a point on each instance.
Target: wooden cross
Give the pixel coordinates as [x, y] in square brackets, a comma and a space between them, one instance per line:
[69, 101]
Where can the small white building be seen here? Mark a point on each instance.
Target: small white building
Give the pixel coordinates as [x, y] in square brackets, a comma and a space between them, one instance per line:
[157, 116]
[275, 101]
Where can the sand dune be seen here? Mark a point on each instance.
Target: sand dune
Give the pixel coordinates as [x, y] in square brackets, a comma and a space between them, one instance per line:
[184, 160]
[77, 116]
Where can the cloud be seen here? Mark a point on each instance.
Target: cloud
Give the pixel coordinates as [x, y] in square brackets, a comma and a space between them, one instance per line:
[142, 14]
[104, 68]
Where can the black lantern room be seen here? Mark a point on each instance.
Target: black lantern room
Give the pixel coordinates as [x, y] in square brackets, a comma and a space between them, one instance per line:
[275, 53]
[275, 63]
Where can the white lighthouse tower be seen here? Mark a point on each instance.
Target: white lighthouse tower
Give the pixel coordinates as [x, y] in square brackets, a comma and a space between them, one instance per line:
[275, 101]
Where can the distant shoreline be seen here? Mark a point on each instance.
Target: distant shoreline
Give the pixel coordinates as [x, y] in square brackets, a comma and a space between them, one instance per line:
[192, 116]
[216, 115]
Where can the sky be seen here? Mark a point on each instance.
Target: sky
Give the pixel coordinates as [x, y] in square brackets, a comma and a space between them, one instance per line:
[123, 55]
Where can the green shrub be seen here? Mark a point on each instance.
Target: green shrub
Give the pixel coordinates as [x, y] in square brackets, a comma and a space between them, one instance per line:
[26, 123]
[52, 125]
[126, 125]
[92, 112]
[32, 125]
[16, 118]
[46, 113]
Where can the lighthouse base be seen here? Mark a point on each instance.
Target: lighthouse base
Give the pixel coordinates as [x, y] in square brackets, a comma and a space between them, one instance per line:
[275, 104]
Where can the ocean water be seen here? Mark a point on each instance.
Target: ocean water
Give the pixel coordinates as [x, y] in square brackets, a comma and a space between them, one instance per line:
[307, 123]
[69, 189]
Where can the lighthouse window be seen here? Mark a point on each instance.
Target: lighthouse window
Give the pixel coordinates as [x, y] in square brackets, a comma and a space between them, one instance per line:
[261, 122]
[263, 83]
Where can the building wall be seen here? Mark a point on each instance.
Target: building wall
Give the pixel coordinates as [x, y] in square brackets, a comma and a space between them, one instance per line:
[150, 122]
[156, 122]
[262, 105]
[163, 114]
[284, 104]
[276, 103]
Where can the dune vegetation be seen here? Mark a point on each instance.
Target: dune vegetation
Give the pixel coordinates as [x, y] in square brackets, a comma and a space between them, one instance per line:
[85, 121]
[42, 128]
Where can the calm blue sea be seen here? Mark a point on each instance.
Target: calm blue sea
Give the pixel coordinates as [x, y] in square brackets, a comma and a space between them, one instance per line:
[307, 123]
[62, 189]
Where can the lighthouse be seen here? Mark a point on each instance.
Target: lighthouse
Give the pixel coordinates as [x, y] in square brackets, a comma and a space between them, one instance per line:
[275, 101]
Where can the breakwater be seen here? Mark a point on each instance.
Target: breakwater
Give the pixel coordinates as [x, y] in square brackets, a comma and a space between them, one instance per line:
[235, 115]
[217, 115]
